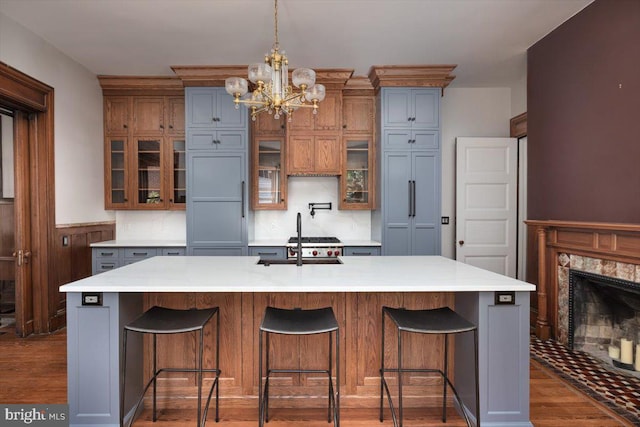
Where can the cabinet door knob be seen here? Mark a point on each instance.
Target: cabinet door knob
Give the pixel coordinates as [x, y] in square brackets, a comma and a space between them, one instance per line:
[461, 242]
[124, 126]
[170, 126]
[408, 119]
[344, 126]
[161, 126]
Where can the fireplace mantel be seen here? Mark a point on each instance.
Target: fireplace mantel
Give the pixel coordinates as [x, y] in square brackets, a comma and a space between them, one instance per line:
[614, 242]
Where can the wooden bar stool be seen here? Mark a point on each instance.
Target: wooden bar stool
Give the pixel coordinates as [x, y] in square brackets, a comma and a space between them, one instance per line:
[300, 322]
[433, 321]
[159, 320]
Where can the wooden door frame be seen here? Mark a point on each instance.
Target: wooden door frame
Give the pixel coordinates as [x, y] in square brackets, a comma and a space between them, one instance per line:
[37, 309]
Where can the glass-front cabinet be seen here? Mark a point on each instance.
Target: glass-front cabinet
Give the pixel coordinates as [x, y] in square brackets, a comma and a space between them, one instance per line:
[269, 178]
[178, 174]
[356, 185]
[148, 175]
[116, 178]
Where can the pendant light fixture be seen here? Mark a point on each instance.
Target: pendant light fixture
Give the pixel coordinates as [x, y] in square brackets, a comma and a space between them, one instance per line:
[273, 93]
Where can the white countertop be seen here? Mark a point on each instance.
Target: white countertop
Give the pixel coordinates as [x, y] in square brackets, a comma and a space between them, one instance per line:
[361, 243]
[242, 274]
[139, 244]
[269, 242]
[283, 242]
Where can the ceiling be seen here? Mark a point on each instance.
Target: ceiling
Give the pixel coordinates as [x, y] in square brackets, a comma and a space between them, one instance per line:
[488, 39]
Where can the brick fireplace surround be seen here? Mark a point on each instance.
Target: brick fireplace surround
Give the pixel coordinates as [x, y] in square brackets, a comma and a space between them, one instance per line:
[607, 249]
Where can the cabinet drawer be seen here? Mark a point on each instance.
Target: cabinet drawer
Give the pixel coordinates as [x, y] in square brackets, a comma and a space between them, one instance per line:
[106, 253]
[102, 266]
[361, 251]
[139, 253]
[208, 139]
[268, 252]
[173, 251]
[403, 139]
[220, 251]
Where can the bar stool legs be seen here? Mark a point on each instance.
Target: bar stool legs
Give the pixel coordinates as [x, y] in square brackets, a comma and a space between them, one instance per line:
[442, 321]
[158, 320]
[298, 322]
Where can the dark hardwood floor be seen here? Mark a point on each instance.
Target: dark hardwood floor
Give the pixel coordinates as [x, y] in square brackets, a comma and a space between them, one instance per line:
[33, 370]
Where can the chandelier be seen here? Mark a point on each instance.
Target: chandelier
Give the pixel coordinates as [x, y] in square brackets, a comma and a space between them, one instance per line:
[272, 92]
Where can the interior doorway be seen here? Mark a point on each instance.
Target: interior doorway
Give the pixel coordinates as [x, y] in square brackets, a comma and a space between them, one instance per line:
[37, 306]
[7, 222]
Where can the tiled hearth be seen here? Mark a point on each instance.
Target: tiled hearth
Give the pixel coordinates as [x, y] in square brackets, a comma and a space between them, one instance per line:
[611, 387]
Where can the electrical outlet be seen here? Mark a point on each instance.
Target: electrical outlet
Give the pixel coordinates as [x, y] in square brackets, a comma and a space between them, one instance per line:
[505, 297]
[91, 298]
[444, 220]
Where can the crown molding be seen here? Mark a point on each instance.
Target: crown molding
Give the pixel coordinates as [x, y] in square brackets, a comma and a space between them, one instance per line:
[206, 75]
[141, 85]
[358, 86]
[411, 75]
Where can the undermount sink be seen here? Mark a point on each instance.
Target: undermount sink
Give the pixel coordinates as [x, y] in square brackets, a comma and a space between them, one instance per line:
[268, 262]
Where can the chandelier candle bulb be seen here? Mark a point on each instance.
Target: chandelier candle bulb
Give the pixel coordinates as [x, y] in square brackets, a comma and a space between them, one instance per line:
[626, 351]
[614, 352]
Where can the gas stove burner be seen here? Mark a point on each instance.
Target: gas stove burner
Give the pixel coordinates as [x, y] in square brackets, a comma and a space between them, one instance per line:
[324, 240]
[315, 247]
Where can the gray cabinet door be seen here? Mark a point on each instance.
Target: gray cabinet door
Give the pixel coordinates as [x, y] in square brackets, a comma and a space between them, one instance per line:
[396, 107]
[213, 108]
[426, 108]
[411, 198]
[417, 108]
[425, 238]
[217, 204]
[396, 197]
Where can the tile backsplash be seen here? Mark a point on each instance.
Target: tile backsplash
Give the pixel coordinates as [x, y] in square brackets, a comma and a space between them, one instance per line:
[344, 224]
[263, 225]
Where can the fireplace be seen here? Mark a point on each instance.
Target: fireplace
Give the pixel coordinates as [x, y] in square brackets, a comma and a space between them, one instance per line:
[602, 311]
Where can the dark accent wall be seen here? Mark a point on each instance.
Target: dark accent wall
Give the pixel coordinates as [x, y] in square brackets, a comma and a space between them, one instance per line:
[583, 112]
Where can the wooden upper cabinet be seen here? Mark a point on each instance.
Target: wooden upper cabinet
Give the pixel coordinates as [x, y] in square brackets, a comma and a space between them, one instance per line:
[265, 124]
[148, 115]
[327, 154]
[116, 115]
[357, 115]
[175, 115]
[309, 154]
[329, 115]
[300, 154]
[328, 118]
[145, 152]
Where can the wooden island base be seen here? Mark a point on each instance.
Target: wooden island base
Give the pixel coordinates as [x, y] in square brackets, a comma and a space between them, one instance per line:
[359, 316]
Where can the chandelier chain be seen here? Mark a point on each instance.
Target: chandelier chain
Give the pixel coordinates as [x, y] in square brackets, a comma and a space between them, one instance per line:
[275, 15]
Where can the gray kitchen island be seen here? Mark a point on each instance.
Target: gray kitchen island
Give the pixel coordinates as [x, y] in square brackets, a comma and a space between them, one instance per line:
[99, 306]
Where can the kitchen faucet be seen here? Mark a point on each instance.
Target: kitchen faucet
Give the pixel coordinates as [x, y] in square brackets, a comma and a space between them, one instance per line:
[299, 230]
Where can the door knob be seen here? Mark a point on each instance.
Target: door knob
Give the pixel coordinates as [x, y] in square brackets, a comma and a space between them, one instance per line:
[461, 242]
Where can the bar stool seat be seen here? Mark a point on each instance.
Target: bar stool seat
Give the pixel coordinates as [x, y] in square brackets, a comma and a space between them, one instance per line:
[441, 320]
[299, 322]
[161, 320]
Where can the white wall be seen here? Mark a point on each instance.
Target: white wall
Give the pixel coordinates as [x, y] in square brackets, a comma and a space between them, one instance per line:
[467, 112]
[154, 225]
[78, 137]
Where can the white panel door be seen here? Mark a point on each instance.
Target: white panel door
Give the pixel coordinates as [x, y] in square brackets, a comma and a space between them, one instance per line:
[486, 203]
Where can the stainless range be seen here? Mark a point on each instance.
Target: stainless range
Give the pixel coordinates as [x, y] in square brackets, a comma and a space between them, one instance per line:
[315, 247]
